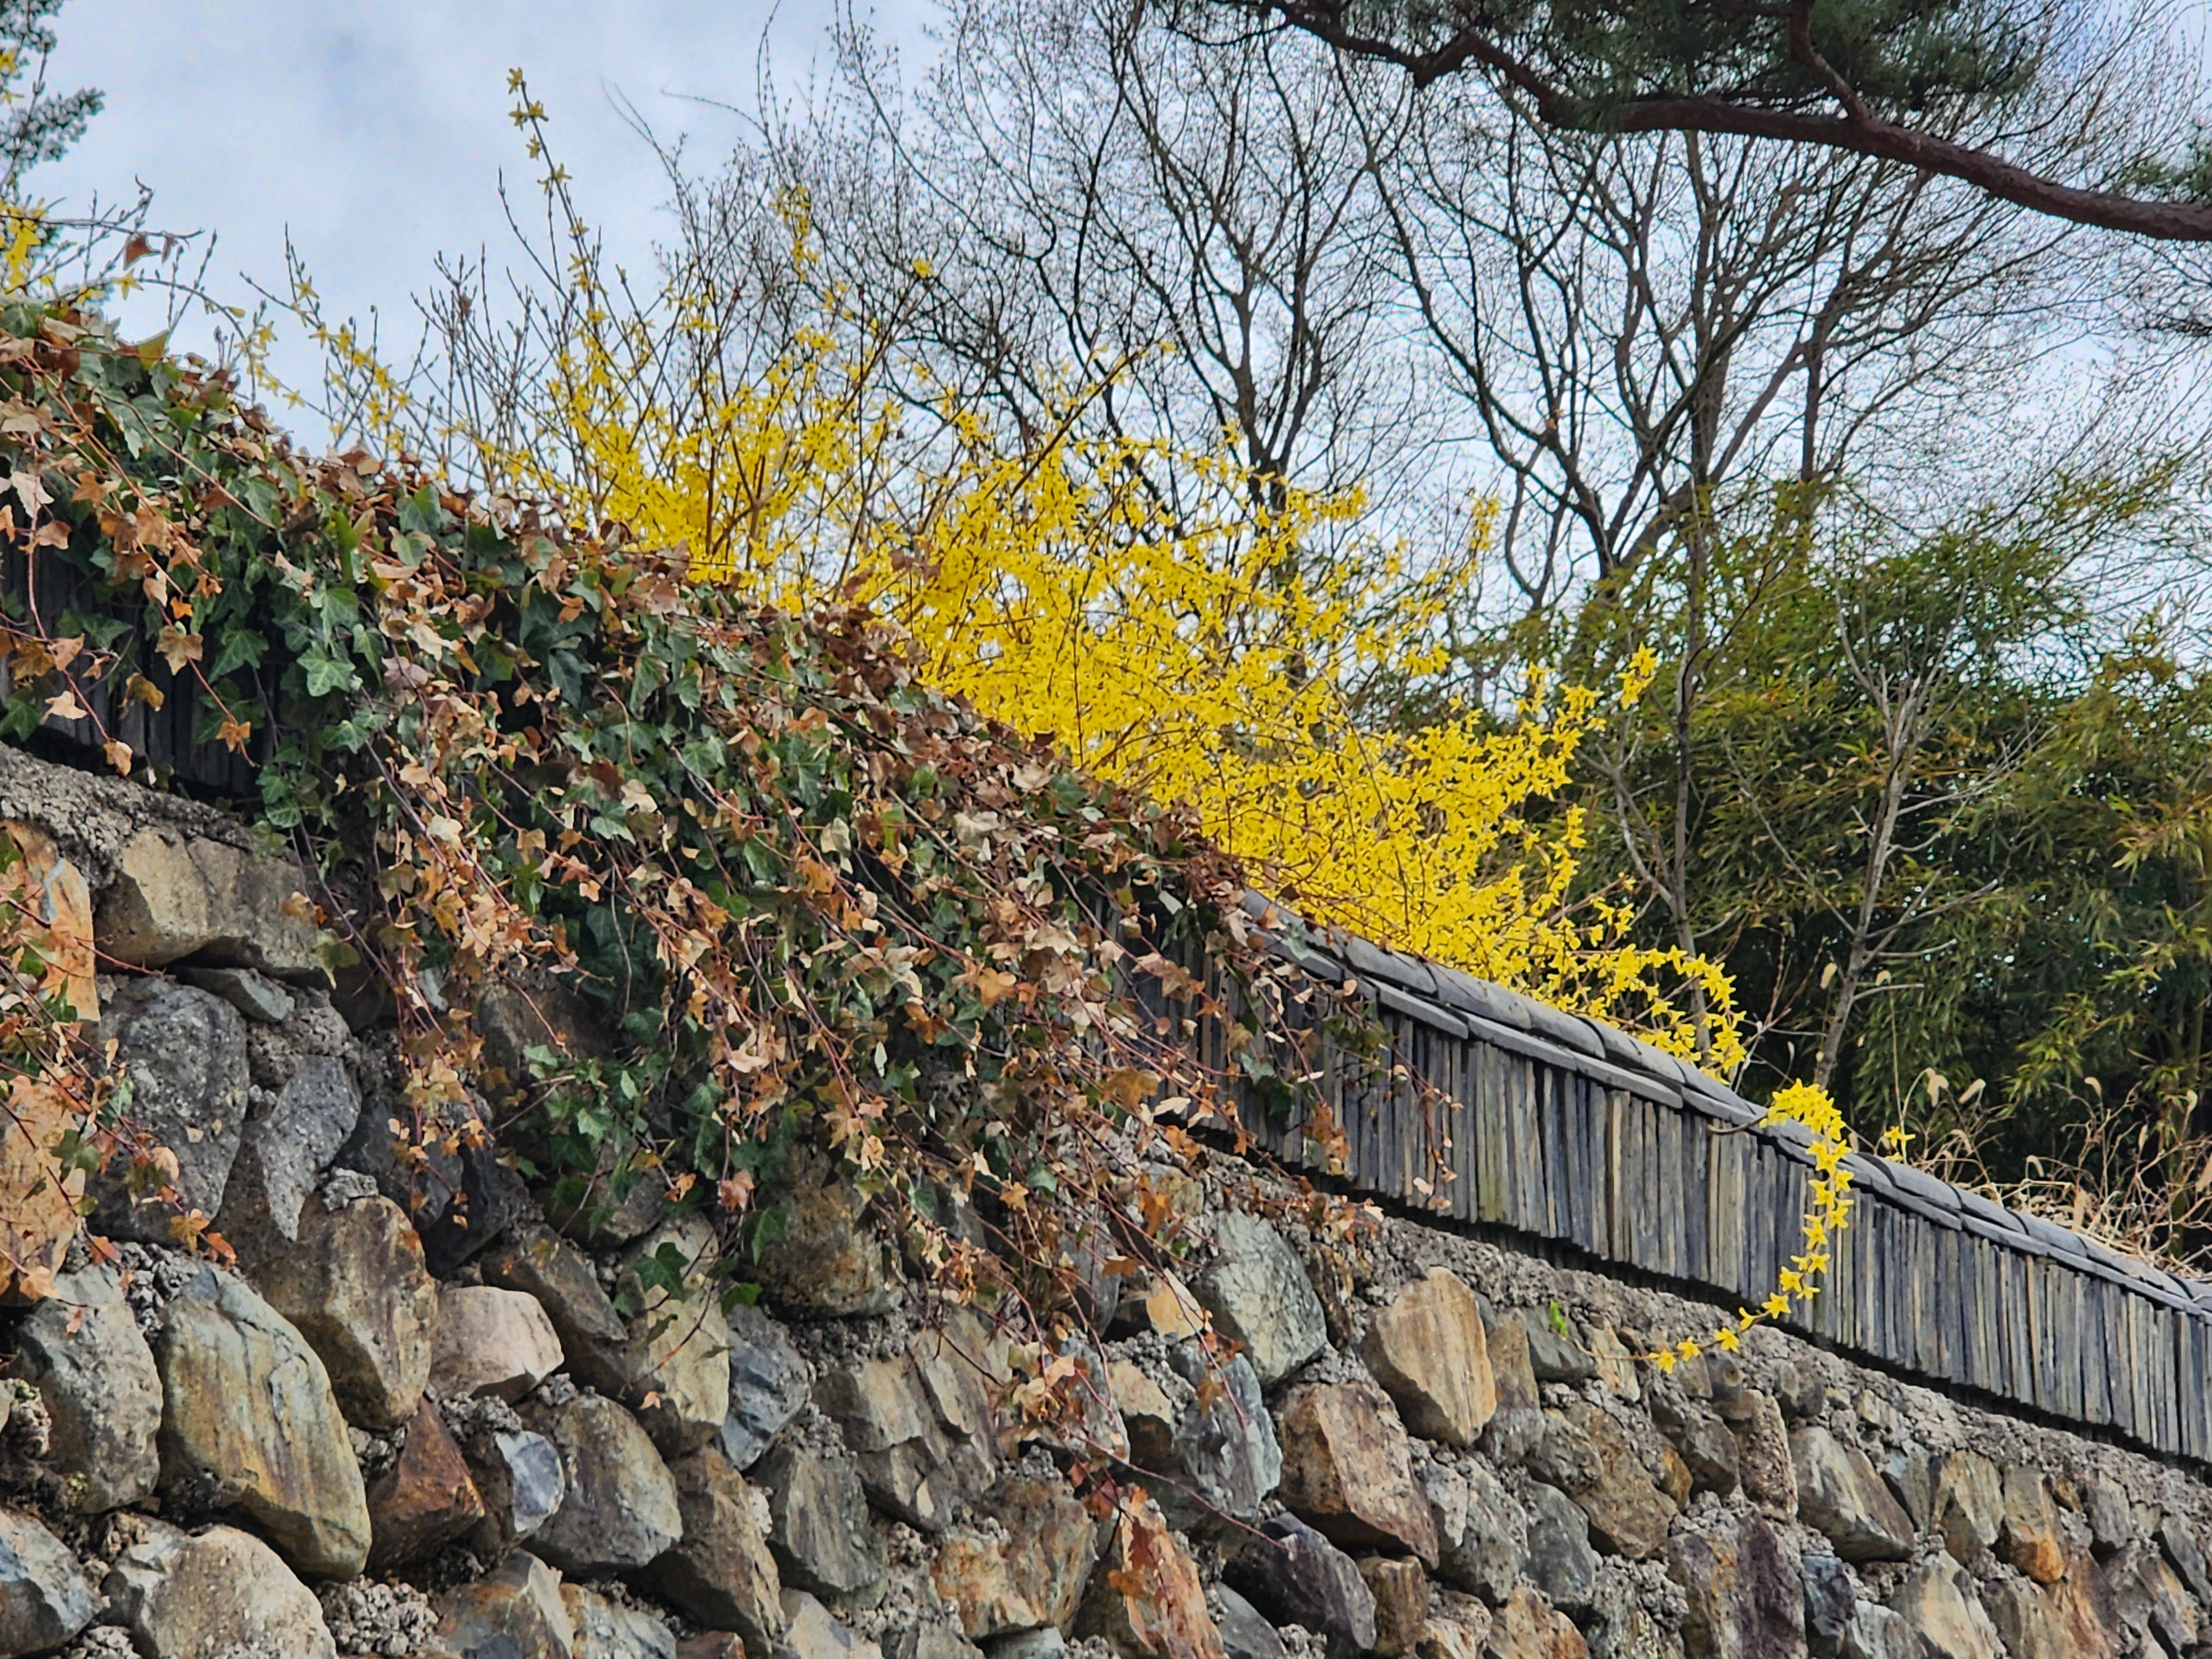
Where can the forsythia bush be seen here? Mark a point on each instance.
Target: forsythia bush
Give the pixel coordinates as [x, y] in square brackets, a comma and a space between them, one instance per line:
[1176, 623]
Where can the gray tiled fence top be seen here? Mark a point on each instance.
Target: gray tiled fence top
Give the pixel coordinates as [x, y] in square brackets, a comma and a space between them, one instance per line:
[1566, 1129]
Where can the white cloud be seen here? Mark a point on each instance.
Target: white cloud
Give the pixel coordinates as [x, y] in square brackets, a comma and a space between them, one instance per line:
[375, 134]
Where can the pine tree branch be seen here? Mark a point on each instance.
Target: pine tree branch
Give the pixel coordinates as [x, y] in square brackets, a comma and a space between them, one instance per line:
[1857, 128]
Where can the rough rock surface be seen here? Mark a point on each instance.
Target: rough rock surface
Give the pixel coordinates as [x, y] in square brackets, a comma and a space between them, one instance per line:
[1616, 1365]
[520, 1477]
[515, 1613]
[45, 1597]
[1026, 1567]
[1878, 1632]
[1294, 1576]
[1149, 1415]
[1911, 1472]
[491, 1199]
[290, 1138]
[2073, 1619]
[621, 1508]
[1482, 1531]
[1403, 1596]
[811, 1632]
[1769, 1476]
[2178, 1541]
[380, 1618]
[96, 1377]
[911, 1463]
[1744, 1602]
[678, 1363]
[769, 1381]
[1830, 1596]
[490, 1341]
[594, 1342]
[2150, 1598]
[818, 1522]
[1223, 1441]
[1559, 1355]
[2033, 1541]
[255, 996]
[2111, 1521]
[935, 1642]
[1527, 1629]
[1589, 1456]
[1428, 1350]
[356, 1286]
[462, 1202]
[1257, 1290]
[1938, 1600]
[249, 1418]
[1150, 1603]
[185, 1053]
[603, 1630]
[1245, 1634]
[196, 1598]
[721, 1570]
[1463, 1632]
[1967, 1503]
[1840, 1493]
[829, 1260]
[174, 895]
[1346, 1467]
[1517, 1425]
[426, 1499]
[964, 1365]
[1561, 1562]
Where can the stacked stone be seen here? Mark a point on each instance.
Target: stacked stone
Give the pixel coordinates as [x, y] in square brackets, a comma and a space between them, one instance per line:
[423, 1415]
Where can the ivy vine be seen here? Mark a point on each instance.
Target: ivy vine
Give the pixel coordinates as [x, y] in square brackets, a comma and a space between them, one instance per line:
[803, 897]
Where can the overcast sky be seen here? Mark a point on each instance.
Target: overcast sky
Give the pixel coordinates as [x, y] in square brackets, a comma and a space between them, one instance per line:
[375, 133]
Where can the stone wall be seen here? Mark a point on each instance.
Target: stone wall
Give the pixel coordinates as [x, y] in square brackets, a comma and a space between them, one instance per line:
[417, 1418]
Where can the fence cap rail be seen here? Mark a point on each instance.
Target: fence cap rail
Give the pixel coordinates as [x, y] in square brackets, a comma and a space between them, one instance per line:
[1457, 1004]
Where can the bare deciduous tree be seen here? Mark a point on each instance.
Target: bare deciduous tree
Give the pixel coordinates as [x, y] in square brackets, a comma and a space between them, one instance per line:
[1651, 333]
[1091, 189]
[1637, 325]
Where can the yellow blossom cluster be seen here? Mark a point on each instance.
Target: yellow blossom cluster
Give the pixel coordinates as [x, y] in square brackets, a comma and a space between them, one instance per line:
[1188, 639]
[1174, 621]
[1194, 651]
[1825, 1217]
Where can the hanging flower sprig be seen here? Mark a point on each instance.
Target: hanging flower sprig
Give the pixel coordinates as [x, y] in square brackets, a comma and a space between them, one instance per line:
[1825, 1217]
